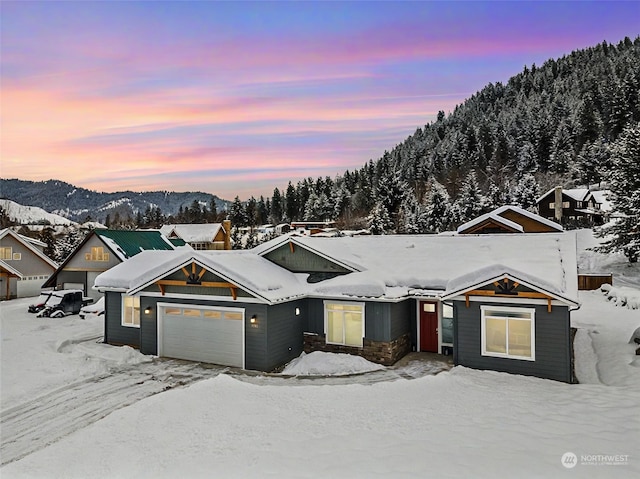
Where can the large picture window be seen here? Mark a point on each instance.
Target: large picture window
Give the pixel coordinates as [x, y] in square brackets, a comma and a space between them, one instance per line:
[131, 311]
[508, 332]
[344, 323]
[97, 254]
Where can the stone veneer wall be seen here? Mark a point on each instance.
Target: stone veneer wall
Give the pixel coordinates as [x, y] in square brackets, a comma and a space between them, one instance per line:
[381, 352]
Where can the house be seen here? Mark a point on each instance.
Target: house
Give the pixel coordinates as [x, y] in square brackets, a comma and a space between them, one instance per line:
[206, 236]
[101, 250]
[23, 265]
[577, 206]
[311, 227]
[499, 302]
[509, 219]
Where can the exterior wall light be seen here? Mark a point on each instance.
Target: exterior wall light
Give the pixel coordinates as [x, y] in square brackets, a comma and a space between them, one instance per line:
[147, 310]
[297, 311]
[253, 319]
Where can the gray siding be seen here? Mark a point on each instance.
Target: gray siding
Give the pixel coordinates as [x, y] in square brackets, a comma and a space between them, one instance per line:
[401, 318]
[79, 262]
[114, 332]
[29, 264]
[303, 261]
[552, 338]
[377, 317]
[284, 334]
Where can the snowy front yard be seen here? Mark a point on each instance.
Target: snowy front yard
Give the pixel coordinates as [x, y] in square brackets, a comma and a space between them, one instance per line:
[460, 423]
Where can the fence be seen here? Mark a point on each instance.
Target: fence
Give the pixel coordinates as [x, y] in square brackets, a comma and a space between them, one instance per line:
[587, 282]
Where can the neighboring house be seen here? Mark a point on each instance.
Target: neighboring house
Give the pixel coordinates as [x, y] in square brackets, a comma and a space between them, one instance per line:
[499, 302]
[23, 265]
[311, 227]
[578, 206]
[101, 250]
[208, 236]
[509, 219]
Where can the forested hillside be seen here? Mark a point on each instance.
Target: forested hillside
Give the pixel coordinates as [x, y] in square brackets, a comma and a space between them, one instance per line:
[550, 125]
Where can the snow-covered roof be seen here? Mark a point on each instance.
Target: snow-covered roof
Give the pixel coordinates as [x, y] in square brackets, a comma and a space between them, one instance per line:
[384, 267]
[7, 267]
[496, 215]
[193, 233]
[495, 272]
[578, 194]
[424, 264]
[602, 197]
[492, 215]
[249, 271]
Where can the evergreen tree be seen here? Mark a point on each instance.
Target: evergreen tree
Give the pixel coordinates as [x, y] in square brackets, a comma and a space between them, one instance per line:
[527, 192]
[276, 207]
[624, 231]
[291, 203]
[46, 236]
[380, 221]
[237, 214]
[438, 208]
[470, 201]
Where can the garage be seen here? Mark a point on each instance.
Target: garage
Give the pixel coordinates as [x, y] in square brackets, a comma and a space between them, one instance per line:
[207, 334]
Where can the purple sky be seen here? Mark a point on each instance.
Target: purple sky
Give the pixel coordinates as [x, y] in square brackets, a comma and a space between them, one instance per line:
[236, 98]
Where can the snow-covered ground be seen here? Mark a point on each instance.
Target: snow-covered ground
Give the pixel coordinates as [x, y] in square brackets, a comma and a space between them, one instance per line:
[458, 423]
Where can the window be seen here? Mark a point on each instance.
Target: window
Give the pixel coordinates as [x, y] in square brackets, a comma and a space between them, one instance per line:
[6, 253]
[508, 332]
[344, 323]
[578, 204]
[131, 311]
[17, 256]
[552, 205]
[565, 204]
[97, 254]
[447, 324]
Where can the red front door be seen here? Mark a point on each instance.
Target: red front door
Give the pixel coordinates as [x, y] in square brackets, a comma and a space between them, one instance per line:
[428, 327]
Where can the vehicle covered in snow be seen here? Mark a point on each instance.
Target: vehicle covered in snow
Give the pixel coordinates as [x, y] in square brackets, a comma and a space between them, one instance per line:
[64, 302]
[41, 302]
[94, 309]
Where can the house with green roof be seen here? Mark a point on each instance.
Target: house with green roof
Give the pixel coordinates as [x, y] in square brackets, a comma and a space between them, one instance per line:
[100, 251]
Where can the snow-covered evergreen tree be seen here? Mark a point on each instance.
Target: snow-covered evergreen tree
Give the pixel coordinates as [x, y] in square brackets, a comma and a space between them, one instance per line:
[379, 221]
[67, 245]
[470, 201]
[437, 214]
[526, 192]
[624, 230]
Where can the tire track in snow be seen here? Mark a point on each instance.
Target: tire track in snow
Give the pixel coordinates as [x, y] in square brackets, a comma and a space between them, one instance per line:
[35, 424]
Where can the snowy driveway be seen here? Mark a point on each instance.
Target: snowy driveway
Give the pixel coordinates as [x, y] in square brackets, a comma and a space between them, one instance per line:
[57, 377]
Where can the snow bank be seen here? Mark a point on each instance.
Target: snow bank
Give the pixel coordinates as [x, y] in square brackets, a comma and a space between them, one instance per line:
[319, 363]
[622, 296]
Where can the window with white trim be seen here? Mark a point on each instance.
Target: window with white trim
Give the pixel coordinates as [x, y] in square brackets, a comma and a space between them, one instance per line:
[6, 253]
[97, 254]
[344, 323]
[508, 332]
[131, 311]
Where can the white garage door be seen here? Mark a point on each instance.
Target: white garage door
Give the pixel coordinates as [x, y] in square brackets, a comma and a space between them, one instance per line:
[210, 335]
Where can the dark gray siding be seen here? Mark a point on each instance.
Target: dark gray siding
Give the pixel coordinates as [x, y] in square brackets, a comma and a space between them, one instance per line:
[552, 338]
[114, 332]
[303, 261]
[401, 318]
[284, 334]
[379, 325]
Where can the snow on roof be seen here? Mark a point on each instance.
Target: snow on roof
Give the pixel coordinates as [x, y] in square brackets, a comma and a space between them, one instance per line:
[602, 197]
[529, 214]
[429, 262]
[245, 269]
[493, 272]
[386, 267]
[493, 215]
[193, 233]
[578, 194]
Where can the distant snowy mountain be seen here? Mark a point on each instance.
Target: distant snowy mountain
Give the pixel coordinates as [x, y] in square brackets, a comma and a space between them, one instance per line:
[28, 215]
[79, 204]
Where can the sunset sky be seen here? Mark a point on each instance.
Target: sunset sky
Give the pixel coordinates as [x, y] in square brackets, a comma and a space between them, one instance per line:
[236, 98]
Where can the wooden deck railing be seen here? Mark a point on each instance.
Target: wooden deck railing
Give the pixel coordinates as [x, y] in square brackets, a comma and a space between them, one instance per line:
[588, 282]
